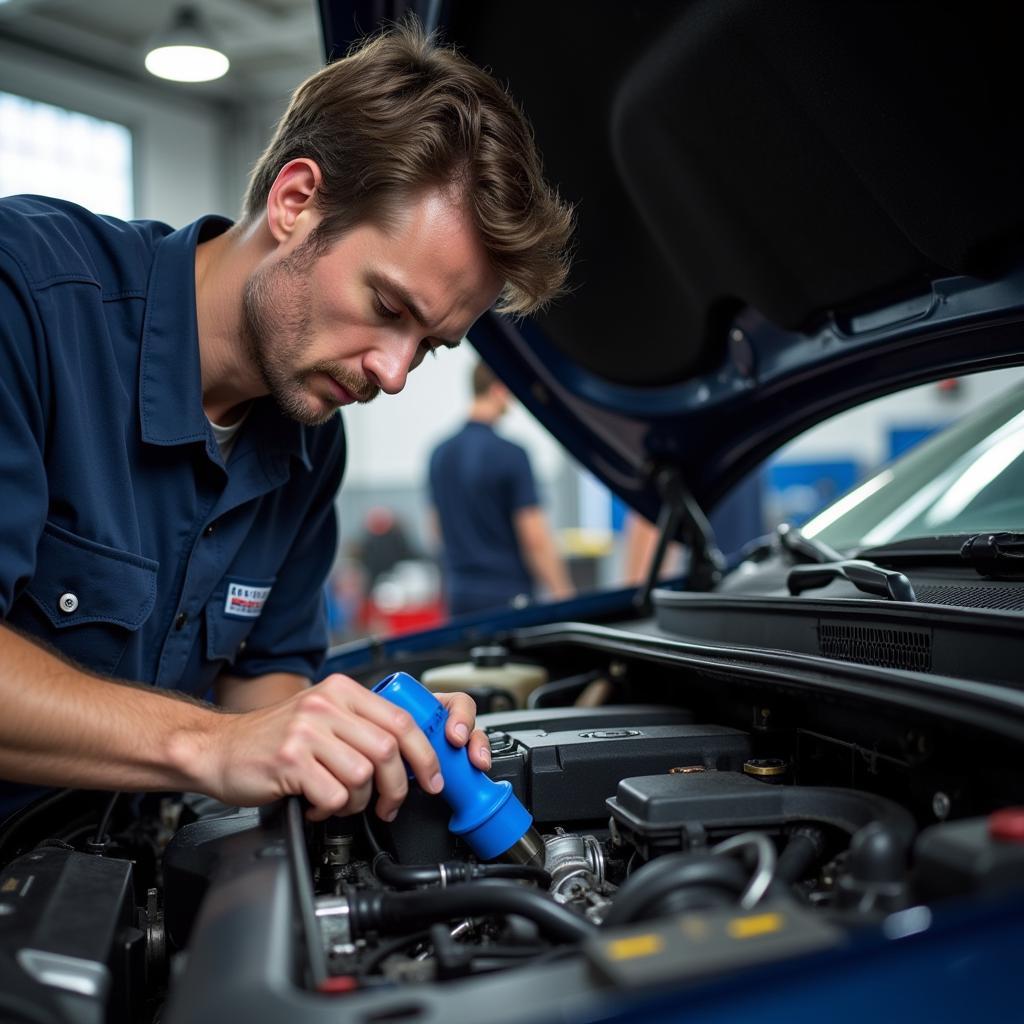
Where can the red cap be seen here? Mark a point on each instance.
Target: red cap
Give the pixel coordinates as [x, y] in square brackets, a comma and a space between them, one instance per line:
[1007, 825]
[338, 984]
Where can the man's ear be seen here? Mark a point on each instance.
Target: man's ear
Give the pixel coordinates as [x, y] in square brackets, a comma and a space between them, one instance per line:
[291, 197]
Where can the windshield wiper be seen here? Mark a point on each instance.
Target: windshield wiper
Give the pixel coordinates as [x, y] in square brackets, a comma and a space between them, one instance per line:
[938, 550]
[994, 555]
[865, 576]
[805, 549]
[998, 555]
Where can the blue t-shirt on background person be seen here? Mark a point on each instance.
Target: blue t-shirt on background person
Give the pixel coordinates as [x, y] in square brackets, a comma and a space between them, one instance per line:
[478, 481]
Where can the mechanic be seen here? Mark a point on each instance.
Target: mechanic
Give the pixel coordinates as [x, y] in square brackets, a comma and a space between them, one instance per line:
[496, 543]
[170, 449]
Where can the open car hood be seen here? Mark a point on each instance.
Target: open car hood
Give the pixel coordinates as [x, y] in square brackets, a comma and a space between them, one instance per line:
[783, 209]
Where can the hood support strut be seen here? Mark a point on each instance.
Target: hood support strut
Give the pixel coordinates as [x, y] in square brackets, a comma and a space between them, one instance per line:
[681, 513]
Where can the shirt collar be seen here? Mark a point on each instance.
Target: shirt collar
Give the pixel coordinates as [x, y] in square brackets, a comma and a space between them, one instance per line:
[170, 381]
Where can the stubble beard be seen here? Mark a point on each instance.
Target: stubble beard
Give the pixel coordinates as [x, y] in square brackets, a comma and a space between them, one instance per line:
[277, 326]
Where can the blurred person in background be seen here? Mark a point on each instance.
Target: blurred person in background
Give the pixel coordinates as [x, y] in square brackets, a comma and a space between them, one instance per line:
[382, 546]
[497, 547]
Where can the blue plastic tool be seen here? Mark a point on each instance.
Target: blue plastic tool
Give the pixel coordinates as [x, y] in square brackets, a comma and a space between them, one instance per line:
[486, 814]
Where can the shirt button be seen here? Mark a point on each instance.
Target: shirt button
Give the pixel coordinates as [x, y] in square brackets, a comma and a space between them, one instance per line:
[179, 622]
[67, 603]
[208, 532]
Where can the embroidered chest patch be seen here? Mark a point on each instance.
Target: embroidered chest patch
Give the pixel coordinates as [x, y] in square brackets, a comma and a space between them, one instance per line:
[245, 602]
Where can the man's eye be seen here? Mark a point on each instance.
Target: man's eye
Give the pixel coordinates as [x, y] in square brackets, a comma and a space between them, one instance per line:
[384, 311]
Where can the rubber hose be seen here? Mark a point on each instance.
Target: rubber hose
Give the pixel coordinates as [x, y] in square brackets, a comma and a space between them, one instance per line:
[410, 876]
[693, 897]
[644, 892]
[804, 849]
[390, 912]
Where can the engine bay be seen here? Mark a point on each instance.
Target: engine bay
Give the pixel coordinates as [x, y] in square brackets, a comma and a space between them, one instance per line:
[682, 842]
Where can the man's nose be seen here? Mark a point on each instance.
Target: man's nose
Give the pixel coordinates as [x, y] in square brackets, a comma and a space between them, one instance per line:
[388, 364]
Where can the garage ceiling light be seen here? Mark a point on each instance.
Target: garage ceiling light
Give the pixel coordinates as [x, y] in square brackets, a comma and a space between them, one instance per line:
[186, 52]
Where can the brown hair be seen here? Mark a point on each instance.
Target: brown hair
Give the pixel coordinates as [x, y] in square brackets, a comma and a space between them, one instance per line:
[483, 378]
[400, 113]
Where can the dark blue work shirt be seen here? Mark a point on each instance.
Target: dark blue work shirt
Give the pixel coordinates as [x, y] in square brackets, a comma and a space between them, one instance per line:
[478, 481]
[125, 542]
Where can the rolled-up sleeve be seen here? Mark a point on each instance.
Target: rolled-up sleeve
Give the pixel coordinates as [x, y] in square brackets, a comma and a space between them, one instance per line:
[23, 487]
[291, 634]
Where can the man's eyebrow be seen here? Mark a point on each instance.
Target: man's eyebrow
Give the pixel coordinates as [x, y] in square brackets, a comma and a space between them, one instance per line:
[384, 282]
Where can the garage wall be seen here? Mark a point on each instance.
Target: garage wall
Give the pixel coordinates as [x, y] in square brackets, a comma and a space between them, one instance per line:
[245, 138]
[179, 141]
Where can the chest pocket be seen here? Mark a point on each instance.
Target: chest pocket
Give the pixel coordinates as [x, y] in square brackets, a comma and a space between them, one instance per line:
[227, 629]
[89, 599]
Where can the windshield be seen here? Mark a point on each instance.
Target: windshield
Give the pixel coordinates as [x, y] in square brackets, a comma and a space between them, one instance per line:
[968, 479]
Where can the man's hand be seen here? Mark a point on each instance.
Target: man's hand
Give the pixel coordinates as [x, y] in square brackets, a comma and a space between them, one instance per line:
[330, 744]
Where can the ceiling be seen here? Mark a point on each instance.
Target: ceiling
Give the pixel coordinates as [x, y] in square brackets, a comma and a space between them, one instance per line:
[272, 44]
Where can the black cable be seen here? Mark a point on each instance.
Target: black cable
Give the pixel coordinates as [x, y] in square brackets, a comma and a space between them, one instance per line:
[108, 812]
[389, 912]
[370, 837]
[29, 820]
[302, 883]
[566, 690]
[648, 892]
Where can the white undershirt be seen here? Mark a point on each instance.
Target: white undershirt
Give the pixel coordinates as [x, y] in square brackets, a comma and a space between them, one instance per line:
[226, 436]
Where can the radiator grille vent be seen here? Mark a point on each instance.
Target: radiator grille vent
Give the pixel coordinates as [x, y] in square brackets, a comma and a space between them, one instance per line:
[996, 598]
[873, 645]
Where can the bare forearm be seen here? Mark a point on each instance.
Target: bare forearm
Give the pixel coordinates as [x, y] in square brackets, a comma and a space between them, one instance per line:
[335, 743]
[61, 726]
[235, 693]
[538, 547]
[547, 567]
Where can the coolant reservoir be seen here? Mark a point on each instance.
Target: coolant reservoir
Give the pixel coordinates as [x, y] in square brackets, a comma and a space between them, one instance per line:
[488, 667]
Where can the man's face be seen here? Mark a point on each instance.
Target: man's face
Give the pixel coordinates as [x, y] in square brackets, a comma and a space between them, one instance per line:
[356, 320]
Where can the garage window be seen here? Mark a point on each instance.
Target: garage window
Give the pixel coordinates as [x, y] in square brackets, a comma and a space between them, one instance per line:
[55, 152]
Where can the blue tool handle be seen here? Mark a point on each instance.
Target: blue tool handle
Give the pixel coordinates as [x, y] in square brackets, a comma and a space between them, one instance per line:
[485, 813]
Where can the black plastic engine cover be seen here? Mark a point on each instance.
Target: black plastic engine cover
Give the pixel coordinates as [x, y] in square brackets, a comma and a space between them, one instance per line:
[960, 857]
[68, 939]
[567, 775]
[661, 813]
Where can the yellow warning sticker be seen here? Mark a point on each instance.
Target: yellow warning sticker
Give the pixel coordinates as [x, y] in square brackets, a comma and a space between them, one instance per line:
[758, 924]
[636, 946]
